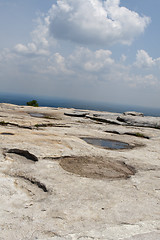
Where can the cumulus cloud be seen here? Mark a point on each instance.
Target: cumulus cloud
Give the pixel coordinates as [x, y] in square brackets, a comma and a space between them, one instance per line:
[84, 22]
[143, 59]
[30, 50]
[146, 80]
[59, 65]
[73, 73]
[40, 43]
[91, 61]
[95, 67]
[40, 35]
[95, 22]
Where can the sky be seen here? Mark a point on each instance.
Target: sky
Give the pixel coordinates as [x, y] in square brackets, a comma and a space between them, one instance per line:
[90, 50]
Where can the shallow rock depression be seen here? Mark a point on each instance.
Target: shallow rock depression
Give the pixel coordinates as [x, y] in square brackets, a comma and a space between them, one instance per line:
[97, 167]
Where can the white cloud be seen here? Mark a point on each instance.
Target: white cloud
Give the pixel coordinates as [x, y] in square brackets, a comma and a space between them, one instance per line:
[85, 65]
[99, 67]
[91, 61]
[81, 73]
[95, 22]
[40, 35]
[40, 43]
[20, 48]
[143, 81]
[58, 65]
[30, 50]
[88, 22]
[143, 59]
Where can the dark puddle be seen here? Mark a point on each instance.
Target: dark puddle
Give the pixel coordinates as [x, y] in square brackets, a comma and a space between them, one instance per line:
[107, 143]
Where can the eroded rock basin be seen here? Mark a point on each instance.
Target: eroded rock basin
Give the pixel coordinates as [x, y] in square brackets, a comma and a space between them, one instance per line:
[97, 167]
[107, 143]
[38, 115]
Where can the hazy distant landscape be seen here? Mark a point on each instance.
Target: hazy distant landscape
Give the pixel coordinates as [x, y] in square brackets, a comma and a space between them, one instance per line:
[67, 103]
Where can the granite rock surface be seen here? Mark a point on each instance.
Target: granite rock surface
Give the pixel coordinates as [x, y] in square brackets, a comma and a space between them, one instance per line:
[55, 185]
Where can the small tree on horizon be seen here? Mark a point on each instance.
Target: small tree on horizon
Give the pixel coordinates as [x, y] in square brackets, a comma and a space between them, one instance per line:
[33, 103]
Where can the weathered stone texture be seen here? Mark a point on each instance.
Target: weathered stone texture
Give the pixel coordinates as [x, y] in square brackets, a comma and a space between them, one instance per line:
[56, 186]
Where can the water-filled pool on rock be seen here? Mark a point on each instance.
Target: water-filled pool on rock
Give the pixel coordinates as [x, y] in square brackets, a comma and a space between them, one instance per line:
[40, 115]
[106, 143]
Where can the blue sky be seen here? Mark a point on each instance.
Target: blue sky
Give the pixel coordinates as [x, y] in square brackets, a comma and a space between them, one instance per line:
[100, 51]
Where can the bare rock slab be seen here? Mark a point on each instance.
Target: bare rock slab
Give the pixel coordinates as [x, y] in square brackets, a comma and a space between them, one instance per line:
[57, 186]
[132, 113]
[152, 122]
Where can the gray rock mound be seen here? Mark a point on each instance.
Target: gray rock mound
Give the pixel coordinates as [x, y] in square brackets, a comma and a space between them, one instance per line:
[132, 113]
[152, 122]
